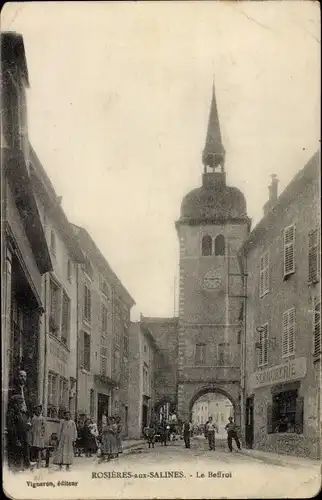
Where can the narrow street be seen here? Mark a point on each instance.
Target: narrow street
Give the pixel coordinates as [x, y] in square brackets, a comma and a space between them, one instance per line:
[149, 474]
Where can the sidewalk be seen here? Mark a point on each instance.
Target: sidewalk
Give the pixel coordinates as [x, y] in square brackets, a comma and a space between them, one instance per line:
[281, 460]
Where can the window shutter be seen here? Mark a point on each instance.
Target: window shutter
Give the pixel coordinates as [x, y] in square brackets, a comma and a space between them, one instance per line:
[81, 349]
[261, 277]
[269, 416]
[314, 256]
[299, 415]
[317, 326]
[289, 250]
[265, 344]
[266, 284]
[285, 334]
[291, 331]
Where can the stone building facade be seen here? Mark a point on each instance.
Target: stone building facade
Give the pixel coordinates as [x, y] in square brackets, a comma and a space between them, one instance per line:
[282, 341]
[24, 250]
[59, 328]
[165, 334]
[141, 388]
[103, 340]
[213, 225]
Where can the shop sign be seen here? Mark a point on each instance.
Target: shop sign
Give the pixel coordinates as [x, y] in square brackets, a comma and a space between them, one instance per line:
[292, 370]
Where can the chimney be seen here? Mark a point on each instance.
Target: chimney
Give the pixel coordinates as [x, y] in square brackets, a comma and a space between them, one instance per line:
[273, 194]
[273, 188]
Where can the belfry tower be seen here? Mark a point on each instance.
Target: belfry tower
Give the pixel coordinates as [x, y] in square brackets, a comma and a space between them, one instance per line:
[212, 226]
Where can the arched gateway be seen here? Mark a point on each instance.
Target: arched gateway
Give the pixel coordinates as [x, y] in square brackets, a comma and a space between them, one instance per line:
[215, 389]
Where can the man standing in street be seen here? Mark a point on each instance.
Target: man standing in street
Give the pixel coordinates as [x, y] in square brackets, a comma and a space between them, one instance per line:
[186, 434]
[231, 429]
[211, 428]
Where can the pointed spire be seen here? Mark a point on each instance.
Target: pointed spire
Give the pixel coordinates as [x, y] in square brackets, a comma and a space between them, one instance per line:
[214, 153]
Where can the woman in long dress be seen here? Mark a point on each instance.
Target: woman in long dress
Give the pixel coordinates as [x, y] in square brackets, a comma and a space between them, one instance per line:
[67, 436]
[114, 443]
[38, 434]
[106, 440]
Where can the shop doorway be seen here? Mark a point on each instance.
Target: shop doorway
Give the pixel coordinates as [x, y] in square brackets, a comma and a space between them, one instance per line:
[249, 431]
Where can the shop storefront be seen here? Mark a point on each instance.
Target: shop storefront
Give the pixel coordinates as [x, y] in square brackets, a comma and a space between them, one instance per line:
[282, 413]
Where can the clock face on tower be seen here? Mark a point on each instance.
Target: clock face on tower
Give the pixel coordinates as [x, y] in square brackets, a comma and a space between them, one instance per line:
[212, 280]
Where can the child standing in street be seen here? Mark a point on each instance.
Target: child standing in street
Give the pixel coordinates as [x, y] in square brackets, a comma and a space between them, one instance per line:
[38, 434]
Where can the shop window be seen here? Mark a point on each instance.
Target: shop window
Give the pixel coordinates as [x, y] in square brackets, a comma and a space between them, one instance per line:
[314, 256]
[285, 414]
[220, 245]
[289, 250]
[263, 275]
[206, 246]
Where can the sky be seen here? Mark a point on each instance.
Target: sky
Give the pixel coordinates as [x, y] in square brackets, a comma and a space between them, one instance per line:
[118, 110]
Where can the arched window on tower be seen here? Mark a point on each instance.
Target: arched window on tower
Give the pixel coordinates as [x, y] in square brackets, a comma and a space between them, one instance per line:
[220, 245]
[207, 245]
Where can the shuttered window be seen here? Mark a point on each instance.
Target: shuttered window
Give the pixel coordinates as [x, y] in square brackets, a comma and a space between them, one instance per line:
[87, 304]
[263, 275]
[85, 351]
[314, 270]
[288, 334]
[263, 345]
[289, 250]
[103, 360]
[104, 317]
[317, 326]
[65, 322]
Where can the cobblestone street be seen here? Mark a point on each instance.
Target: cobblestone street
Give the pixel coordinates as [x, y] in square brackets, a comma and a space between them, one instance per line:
[201, 474]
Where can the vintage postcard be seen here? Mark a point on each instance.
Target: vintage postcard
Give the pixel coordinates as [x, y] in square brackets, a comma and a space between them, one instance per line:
[160, 242]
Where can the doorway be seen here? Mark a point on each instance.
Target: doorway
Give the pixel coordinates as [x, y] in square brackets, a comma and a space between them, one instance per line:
[144, 416]
[249, 431]
[102, 407]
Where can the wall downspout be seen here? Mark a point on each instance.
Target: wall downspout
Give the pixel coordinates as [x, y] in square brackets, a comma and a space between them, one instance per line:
[244, 264]
[77, 342]
[44, 398]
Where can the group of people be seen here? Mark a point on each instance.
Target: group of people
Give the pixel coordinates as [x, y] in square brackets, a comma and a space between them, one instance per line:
[27, 435]
[210, 432]
[106, 443]
[163, 432]
[26, 429]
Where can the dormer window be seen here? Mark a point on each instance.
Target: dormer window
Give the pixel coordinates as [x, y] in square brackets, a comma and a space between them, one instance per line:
[220, 245]
[206, 246]
[88, 269]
